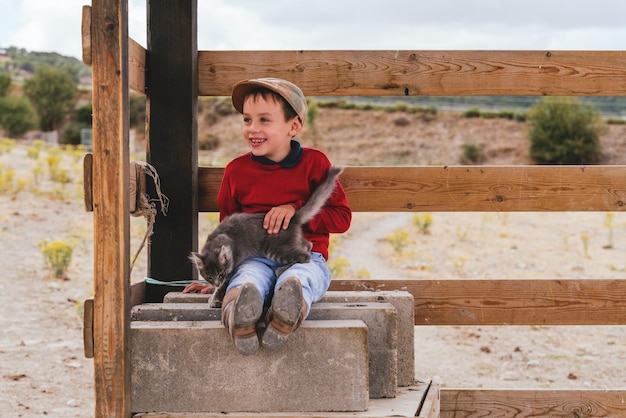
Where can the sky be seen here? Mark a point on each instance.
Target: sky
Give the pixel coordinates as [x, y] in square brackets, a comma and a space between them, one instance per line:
[54, 26]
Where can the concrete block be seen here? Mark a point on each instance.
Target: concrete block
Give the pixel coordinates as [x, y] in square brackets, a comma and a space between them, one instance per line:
[404, 304]
[180, 297]
[179, 366]
[175, 312]
[380, 319]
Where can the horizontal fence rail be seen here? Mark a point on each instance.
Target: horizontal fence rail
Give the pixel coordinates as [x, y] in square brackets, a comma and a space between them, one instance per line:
[507, 301]
[425, 73]
[466, 189]
[590, 403]
[410, 73]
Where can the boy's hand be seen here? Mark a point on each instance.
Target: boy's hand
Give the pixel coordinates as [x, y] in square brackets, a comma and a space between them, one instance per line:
[278, 217]
[197, 287]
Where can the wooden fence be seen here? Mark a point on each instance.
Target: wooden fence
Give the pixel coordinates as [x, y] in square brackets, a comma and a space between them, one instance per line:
[172, 73]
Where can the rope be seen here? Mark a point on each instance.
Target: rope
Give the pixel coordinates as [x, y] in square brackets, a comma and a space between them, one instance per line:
[146, 207]
[177, 283]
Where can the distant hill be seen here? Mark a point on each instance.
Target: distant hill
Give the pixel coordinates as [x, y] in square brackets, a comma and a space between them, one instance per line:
[608, 105]
[21, 64]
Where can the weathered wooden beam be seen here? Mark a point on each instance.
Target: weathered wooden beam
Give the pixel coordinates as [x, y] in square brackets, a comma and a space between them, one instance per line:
[421, 73]
[470, 403]
[507, 301]
[111, 315]
[173, 137]
[137, 66]
[467, 188]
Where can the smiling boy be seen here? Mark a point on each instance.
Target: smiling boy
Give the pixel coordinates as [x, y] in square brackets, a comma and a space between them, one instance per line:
[276, 177]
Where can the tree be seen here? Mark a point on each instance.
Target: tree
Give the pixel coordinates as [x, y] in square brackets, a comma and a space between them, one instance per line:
[564, 131]
[5, 84]
[53, 93]
[17, 115]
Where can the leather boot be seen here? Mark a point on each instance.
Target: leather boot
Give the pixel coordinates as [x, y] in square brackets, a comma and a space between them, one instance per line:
[285, 315]
[241, 309]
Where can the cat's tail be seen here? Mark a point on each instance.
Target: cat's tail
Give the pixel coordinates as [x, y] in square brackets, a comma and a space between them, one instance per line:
[320, 195]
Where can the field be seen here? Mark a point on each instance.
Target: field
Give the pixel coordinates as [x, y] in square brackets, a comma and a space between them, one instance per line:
[42, 367]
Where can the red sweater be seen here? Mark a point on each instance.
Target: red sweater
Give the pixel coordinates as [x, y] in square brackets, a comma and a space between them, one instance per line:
[253, 187]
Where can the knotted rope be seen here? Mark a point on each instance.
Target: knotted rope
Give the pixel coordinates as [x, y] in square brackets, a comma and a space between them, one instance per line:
[146, 206]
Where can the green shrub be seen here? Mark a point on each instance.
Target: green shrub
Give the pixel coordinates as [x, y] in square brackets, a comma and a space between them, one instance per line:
[137, 110]
[431, 110]
[311, 115]
[564, 131]
[71, 133]
[472, 154]
[17, 115]
[472, 113]
[5, 84]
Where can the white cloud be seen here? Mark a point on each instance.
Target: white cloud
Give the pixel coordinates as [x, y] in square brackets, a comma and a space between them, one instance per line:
[48, 25]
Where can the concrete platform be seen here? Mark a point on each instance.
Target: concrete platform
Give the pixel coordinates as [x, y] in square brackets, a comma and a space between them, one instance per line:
[420, 400]
[322, 368]
[379, 317]
[402, 301]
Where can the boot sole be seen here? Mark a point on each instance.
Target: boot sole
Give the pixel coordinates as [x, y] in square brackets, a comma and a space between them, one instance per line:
[286, 309]
[247, 310]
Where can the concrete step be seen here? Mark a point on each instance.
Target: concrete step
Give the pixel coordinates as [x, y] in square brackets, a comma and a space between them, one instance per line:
[420, 400]
[405, 308]
[379, 317]
[323, 367]
[402, 301]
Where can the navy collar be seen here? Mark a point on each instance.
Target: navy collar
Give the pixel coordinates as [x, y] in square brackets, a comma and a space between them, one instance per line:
[290, 160]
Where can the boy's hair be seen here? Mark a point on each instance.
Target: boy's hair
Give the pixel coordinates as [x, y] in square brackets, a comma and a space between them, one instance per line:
[289, 93]
[266, 94]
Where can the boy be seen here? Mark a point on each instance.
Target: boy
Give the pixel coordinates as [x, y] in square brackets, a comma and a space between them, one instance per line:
[276, 177]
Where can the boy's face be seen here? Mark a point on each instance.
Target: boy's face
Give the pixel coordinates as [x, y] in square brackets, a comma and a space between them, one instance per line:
[265, 129]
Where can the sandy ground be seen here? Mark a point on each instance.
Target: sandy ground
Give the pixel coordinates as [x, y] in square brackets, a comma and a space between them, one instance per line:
[43, 371]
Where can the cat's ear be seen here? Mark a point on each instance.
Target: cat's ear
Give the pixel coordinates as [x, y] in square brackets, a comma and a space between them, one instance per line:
[225, 257]
[196, 258]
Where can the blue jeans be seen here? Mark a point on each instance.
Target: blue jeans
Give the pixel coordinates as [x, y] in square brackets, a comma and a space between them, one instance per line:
[314, 276]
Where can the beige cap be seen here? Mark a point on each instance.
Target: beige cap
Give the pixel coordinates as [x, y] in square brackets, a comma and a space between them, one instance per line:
[286, 89]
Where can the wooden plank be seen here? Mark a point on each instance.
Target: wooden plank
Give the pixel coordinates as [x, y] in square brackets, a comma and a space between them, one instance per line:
[508, 301]
[423, 73]
[136, 66]
[137, 293]
[88, 328]
[85, 29]
[467, 188]
[88, 181]
[137, 297]
[109, 36]
[469, 403]
[431, 404]
[173, 136]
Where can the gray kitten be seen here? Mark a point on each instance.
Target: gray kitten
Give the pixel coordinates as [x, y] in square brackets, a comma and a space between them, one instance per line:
[241, 236]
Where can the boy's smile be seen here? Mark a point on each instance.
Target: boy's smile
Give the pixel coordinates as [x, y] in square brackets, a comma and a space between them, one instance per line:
[265, 128]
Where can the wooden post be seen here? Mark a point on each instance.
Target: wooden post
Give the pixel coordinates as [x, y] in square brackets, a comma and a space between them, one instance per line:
[109, 37]
[173, 137]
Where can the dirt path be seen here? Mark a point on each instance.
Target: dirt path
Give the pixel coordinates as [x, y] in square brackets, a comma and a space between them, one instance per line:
[360, 243]
[42, 367]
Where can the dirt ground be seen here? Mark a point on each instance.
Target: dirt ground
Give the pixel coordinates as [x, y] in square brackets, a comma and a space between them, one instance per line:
[43, 371]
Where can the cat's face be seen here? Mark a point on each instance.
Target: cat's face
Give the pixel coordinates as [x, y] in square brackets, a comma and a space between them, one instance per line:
[215, 262]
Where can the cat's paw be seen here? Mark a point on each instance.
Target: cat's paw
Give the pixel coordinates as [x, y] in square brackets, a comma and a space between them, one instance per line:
[214, 302]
